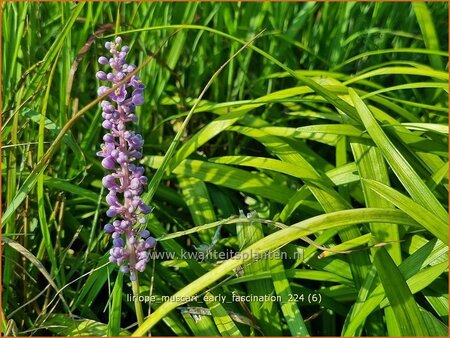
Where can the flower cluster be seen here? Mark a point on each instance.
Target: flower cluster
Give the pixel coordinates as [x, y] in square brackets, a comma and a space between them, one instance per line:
[120, 148]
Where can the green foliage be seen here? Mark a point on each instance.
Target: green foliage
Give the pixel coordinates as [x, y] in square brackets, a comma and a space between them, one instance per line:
[314, 132]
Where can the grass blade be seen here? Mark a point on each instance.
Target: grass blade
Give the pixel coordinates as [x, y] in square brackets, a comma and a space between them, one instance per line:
[406, 174]
[407, 313]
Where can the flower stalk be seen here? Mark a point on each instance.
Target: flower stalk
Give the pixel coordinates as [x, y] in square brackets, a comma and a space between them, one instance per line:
[121, 148]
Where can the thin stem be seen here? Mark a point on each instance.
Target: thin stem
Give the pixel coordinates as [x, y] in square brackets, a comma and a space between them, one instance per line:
[137, 302]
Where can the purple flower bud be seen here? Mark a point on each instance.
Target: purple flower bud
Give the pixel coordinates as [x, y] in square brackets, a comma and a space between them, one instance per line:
[109, 181]
[120, 76]
[111, 212]
[102, 60]
[138, 99]
[150, 242]
[118, 242]
[109, 228]
[101, 75]
[107, 124]
[107, 107]
[130, 68]
[102, 90]
[108, 138]
[124, 225]
[110, 77]
[134, 184]
[144, 208]
[140, 266]
[122, 158]
[139, 171]
[118, 40]
[121, 126]
[144, 233]
[108, 163]
[111, 199]
[136, 154]
[142, 255]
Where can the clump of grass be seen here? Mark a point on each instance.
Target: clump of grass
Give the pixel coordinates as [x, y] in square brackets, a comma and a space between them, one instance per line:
[324, 140]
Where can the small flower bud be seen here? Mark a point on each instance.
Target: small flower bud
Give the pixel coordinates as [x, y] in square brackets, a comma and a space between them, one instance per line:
[102, 60]
[101, 75]
[144, 233]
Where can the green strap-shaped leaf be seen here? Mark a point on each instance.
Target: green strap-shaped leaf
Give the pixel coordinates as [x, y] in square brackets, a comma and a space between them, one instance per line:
[409, 318]
[430, 38]
[228, 177]
[115, 308]
[289, 308]
[224, 323]
[272, 242]
[53, 51]
[406, 174]
[424, 217]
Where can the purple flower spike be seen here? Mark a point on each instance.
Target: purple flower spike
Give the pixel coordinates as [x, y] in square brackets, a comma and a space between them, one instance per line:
[120, 148]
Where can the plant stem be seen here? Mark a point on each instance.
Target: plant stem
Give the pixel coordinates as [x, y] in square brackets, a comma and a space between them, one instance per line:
[137, 303]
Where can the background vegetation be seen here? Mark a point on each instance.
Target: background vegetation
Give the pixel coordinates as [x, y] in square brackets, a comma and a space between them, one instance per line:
[332, 124]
